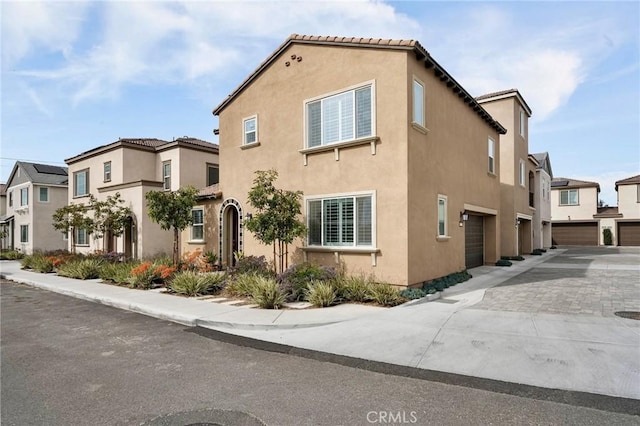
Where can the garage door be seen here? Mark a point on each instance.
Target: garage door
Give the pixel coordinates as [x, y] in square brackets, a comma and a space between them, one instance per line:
[575, 234]
[474, 241]
[629, 233]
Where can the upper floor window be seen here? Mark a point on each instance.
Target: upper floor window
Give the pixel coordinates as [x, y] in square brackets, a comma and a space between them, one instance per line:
[10, 198]
[44, 195]
[24, 197]
[250, 126]
[522, 123]
[81, 237]
[569, 197]
[213, 174]
[522, 174]
[341, 221]
[492, 155]
[442, 216]
[81, 183]
[197, 226]
[418, 103]
[107, 171]
[339, 118]
[166, 175]
[24, 233]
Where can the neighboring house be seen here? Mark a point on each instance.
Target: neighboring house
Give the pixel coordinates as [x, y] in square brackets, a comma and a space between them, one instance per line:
[4, 226]
[628, 225]
[517, 171]
[133, 167]
[573, 206]
[399, 165]
[34, 193]
[542, 201]
[203, 233]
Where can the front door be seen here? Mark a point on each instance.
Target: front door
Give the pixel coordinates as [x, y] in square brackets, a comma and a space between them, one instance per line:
[231, 229]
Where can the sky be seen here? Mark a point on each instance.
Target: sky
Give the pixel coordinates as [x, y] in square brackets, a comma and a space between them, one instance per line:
[80, 74]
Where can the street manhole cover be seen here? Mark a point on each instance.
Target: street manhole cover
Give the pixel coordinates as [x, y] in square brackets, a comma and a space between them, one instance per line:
[628, 314]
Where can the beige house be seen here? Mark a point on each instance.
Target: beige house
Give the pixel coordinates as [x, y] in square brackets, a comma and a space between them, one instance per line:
[203, 234]
[542, 201]
[33, 193]
[628, 224]
[517, 171]
[573, 206]
[133, 167]
[399, 165]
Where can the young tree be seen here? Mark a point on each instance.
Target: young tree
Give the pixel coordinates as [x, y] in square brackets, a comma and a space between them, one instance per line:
[277, 219]
[172, 210]
[111, 216]
[71, 217]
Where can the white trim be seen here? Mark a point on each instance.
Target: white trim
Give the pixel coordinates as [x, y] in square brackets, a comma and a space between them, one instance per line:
[479, 209]
[491, 146]
[191, 239]
[446, 216]
[164, 187]
[522, 173]
[524, 216]
[244, 132]
[424, 103]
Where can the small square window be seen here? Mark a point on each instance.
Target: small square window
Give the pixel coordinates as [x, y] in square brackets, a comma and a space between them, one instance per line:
[107, 171]
[418, 103]
[250, 130]
[213, 174]
[442, 216]
[44, 195]
[166, 175]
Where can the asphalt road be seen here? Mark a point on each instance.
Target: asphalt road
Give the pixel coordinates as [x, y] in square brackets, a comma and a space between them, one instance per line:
[69, 362]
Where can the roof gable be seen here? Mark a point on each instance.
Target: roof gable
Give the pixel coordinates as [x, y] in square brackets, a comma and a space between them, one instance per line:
[544, 162]
[414, 46]
[567, 183]
[505, 94]
[38, 173]
[633, 180]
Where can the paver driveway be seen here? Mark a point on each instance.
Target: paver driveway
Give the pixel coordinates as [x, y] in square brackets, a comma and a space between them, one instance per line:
[595, 281]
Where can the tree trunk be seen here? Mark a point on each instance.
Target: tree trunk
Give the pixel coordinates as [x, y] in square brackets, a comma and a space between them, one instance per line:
[176, 239]
[275, 264]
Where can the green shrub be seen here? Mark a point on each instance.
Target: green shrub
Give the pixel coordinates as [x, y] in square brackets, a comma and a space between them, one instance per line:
[41, 263]
[118, 273]
[294, 282]
[537, 252]
[503, 262]
[353, 288]
[553, 247]
[607, 236]
[10, 255]
[252, 265]
[413, 293]
[192, 283]
[26, 262]
[84, 269]
[385, 295]
[321, 294]
[518, 258]
[266, 293]
[242, 284]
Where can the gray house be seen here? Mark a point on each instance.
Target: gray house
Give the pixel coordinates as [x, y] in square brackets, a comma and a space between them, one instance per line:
[33, 193]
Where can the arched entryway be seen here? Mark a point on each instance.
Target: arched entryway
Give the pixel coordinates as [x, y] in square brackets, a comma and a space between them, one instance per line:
[230, 231]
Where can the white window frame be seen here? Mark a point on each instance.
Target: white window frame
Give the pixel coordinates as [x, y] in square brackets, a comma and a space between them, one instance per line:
[521, 173]
[166, 177]
[107, 171]
[522, 123]
[568, 192]
[420, 121]
[40, 200]
[491, 152]
[84, 172]
[354, 195]
[195, 225]
[24, 197]
[78, 231]
[246, 133]
[307, 102]
[444, 232]
[24, 233]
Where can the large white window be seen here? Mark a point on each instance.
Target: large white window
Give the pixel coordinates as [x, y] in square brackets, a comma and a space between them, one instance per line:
[24, 233]
[522, 123]
[81, 183]
[44, 195]
[250, 126]
[166, 175]
[569, 197]
[418, 103]
[492, 155]
[342, 117]
[81, 237]
[341, 221]
[24, 197]
[197, 227]
[442, 216]
[522, 173]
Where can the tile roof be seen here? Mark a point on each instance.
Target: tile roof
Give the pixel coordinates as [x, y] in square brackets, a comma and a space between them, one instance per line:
[377, 43]
[211, 191]
[573, 183]
[505, 94]
[628, 181]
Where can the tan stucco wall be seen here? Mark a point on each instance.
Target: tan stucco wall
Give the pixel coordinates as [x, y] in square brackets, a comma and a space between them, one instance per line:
[211, 230]
[628, 203]
[586, 208]
[451, 159]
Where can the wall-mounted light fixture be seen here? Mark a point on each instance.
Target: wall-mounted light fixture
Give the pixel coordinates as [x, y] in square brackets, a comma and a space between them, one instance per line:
[517, 222]
[249, 216]
[464, 216]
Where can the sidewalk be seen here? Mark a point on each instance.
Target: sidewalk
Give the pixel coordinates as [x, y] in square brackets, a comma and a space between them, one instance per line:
[567, 352]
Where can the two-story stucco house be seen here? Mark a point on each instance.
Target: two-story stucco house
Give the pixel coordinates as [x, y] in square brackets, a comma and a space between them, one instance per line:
[398, 163]
[573, 206]
[133, 167]
[517, 170]
[34, 193]
[628, 225]
[541, 222]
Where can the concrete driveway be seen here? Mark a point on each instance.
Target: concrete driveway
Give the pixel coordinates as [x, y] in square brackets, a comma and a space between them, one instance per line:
[597, 281]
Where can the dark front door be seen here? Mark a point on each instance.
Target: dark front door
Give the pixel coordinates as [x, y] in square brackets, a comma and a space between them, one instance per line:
[474, 241]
